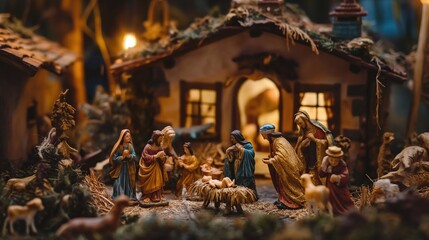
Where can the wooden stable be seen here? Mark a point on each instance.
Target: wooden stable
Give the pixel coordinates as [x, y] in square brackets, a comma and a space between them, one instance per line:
[30, 66]
[202, 74]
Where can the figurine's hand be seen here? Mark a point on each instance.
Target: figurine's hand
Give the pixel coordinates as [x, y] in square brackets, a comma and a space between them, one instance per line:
[126, 153]
[311, 137]
[231, 148]
[239, 147]
[305, 143]
[268, 161]
[160, 154]
[335, 178]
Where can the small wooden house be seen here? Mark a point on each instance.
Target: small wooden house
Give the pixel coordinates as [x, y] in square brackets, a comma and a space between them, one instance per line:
[29, 85]
[262, 63]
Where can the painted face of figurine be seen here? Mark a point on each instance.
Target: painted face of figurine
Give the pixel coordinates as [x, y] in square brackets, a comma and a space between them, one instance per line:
[127, 138]
[264, 136]
[300, 122]
[334, 161]
[158, 141]
[209, 161]
[233, 141]
[187, 152]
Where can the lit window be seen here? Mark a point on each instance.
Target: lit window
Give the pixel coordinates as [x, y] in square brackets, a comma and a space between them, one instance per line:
[314, 104]
[321, 102]
[201, 105]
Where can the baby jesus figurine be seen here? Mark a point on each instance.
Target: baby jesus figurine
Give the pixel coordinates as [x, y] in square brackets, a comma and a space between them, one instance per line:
[214, 183]
[209, 170]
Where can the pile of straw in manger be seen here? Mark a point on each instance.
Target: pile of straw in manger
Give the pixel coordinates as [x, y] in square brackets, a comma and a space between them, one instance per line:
[235, 195]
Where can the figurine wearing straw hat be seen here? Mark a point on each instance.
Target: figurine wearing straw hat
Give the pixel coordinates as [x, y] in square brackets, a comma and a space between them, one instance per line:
[337, 179]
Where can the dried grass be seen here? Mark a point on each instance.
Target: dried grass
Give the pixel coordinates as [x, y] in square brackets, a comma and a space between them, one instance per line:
[101, 199]
[364, 199]
[294, 33]
[233, 195]
[424, 192]
[250, 15]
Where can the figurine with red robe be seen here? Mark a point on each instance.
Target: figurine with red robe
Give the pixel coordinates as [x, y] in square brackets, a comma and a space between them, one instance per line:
[152, 175]
[337, 179]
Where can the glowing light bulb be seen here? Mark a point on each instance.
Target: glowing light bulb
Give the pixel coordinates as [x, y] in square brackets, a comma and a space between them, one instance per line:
[130, 41]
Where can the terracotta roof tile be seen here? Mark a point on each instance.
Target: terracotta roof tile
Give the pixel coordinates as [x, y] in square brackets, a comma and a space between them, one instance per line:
[23, 48]
[34, 62]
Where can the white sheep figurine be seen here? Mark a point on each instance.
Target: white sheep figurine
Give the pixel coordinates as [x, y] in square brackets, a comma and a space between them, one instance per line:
[316, 196]
[27, 213]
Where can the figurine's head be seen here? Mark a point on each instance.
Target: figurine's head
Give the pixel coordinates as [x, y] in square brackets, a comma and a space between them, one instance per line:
[267, 129]
[127, 137]
[188, 149]
[301, 119]
[156, 138]
[305, 179]
[233, 140]
[122, 201]
[209, 160]
[36, 204]
[424, 140]
[334, 155]
[388, 137]
[237, 137]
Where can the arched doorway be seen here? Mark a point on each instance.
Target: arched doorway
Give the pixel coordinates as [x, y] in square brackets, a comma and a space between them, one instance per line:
[257, 102]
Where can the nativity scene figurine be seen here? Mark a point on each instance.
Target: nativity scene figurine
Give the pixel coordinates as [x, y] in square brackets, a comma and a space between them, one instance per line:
[152, 175]
[313, 139]
[285, 169]
[123, 160]
[189, 164]
[208, 169]
[240, 161]
[335, 170]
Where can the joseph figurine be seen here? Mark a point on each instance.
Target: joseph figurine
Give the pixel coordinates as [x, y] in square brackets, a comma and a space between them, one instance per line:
[152, 175]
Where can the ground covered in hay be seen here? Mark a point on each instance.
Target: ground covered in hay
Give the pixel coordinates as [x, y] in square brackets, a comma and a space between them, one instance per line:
[177, 209]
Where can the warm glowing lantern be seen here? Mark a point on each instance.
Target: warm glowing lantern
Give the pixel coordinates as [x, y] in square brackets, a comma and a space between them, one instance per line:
[130, 41]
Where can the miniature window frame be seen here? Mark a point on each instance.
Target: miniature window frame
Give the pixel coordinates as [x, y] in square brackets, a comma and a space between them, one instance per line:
[185, 87]
[334, 89]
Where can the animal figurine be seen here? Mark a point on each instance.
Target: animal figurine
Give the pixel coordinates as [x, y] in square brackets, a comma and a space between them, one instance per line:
[316, 196]
[385, 155]
[27, 213]
[105, 225]
[383, 191]
[18, 184]
[409, 158]
[424, 140]
[410, 168]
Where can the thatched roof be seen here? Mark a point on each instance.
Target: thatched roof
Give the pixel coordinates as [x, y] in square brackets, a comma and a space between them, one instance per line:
[292, 24]
[29, 52]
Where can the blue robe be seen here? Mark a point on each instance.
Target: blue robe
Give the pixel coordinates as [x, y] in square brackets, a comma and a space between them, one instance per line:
[122, 184]
[244, 175]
